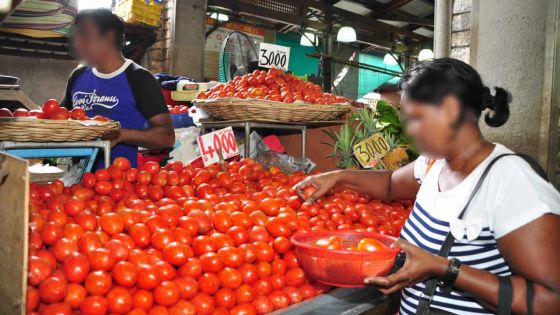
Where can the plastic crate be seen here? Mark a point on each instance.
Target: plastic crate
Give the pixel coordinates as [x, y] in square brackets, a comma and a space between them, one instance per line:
[147, 12]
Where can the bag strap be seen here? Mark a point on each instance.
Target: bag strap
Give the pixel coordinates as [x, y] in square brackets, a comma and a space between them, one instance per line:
[431, 285]
[505, 296]
[530, 296]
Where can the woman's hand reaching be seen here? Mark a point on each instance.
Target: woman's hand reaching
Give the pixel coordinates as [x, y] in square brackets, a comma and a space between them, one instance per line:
[419, 266]
[323, 183]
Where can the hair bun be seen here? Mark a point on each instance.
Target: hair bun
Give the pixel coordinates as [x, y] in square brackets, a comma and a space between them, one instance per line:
[498, 105]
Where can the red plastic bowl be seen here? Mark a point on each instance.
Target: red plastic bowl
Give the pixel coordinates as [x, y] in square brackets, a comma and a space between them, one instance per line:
[343, 268]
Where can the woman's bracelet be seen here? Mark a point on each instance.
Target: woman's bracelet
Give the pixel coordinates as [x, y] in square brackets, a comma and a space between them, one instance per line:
[451, 274]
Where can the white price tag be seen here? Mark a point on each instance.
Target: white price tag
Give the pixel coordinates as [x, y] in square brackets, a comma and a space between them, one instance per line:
[223, 140]
[271, 55]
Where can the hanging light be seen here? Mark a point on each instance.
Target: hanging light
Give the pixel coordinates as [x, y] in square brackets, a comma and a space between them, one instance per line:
[425, 54]
[390, 59]
[219, 16]
[346, 34]
[310, 39]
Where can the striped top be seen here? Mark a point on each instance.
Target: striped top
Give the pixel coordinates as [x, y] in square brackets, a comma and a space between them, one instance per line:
[429, 233]
[511, 196]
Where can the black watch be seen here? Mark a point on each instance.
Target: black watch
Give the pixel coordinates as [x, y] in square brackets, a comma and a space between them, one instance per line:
[451, 274]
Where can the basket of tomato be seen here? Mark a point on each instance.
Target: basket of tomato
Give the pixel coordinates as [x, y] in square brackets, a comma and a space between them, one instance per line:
[52, 124]
[344, 258]
[271, 96]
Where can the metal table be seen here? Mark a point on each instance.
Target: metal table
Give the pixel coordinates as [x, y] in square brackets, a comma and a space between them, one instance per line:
[337, 302]
[88, 149]
[248, 125]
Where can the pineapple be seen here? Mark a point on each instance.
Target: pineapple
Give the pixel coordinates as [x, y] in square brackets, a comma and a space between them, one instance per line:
[397, 157]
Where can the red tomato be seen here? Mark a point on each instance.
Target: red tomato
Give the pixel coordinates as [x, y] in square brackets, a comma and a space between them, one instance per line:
[166, 293]
[76, 267]
[39, 270]
[94, 305]
[122, 163]
[370, 245]
[203, 303]
[98, 282]
[50, 107]
[177, 253]
[60, 114]
[53, 289]
[262, 304]
[295, 277]
[225, 298]
[245, 294]
[244, 309]
[188, 287]
[57, 309]
[143, 299]
[231, 256]
[230, 278]
[279, 299]
[78, 113]
[294, 294]
[208, 283]
[4, 112]
[76, 295]
[119, 300]
[31, 299]
[147, 277]
[124, 274]
[182, 308]
[21, 112]
[269, 206]
[111, 223]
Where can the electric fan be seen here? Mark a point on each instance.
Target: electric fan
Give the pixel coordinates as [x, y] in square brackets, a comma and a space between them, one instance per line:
[238, 56]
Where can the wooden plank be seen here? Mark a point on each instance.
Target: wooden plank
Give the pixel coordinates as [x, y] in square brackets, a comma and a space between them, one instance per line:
[14, 220]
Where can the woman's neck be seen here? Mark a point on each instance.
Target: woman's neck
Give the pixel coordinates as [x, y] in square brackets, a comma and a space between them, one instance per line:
[469, 154]
[110, 64]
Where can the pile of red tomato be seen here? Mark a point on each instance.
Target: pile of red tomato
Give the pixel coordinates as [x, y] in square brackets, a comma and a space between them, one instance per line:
[274, 85]
[178, 109]
[51, 110]
[337, 243]
[182, 240]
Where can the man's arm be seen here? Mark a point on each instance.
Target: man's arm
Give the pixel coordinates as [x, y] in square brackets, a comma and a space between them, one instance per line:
[159, 135]
[151, 103]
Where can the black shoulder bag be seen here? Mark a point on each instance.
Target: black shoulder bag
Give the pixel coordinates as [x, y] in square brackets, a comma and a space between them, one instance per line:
[505, 290]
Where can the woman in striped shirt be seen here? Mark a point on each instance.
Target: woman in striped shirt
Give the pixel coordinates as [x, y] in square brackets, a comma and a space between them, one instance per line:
[512, 225]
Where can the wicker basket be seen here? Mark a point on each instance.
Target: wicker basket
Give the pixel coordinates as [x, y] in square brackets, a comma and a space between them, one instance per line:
[45, 130]
[242, 109]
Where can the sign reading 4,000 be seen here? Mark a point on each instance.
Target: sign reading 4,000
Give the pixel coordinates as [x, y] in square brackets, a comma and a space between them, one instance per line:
[274, 56]
[369, 151]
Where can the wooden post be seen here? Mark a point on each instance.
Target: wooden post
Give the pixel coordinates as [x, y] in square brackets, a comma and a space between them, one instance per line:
[14, 221]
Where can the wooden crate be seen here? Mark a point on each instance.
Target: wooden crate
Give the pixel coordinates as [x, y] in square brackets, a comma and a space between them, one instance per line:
[14, 220]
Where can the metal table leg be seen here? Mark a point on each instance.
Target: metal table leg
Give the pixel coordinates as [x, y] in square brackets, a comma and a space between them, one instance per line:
[107, 152]
[303, 142]
[247, 139]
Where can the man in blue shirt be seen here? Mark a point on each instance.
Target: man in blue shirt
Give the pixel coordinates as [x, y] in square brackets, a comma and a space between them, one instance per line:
[115, 87]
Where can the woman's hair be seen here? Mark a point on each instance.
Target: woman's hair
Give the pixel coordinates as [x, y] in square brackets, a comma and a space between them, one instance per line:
[105, 21]
[430, 81]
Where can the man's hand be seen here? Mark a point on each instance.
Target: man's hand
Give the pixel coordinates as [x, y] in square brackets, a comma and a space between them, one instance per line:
[114, 136]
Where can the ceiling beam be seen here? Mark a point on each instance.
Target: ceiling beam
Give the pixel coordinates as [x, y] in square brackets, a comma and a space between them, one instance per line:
[295, 13]
[380, 10]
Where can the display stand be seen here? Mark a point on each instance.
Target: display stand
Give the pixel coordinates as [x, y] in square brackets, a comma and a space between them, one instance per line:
[340, 301]
[248, 125]
[88, 149]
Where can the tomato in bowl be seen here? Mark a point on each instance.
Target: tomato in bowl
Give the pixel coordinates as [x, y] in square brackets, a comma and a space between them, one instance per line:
[347, 266]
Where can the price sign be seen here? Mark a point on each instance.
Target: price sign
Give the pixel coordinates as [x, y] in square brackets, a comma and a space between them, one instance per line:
[371, 150]
[222, 140]
[274, 56]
